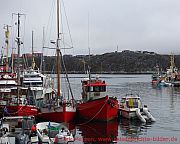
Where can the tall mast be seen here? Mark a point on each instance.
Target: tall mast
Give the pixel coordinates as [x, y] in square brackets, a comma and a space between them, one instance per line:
[18, 57]
[58, 50]
[33, 62]
[7, 44]
[42, 57]
[89, 67]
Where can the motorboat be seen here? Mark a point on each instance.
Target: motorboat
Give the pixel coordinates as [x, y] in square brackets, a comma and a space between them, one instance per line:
[52, 132]
[131, 107]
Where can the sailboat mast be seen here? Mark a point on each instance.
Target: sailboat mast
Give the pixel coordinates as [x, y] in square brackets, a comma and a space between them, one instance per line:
[58, 51]
[18, 57]
[42, 57]
[89, 65]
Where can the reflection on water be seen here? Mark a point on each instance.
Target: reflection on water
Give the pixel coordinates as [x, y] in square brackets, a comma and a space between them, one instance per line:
[111, 132]
[99, 132]
[133, 128]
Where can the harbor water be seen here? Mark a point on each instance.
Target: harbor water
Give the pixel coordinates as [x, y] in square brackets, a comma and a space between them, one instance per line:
[163, 103]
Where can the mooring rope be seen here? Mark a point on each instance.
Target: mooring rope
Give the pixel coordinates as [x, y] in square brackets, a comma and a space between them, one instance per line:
[6, 111]
[95, 114]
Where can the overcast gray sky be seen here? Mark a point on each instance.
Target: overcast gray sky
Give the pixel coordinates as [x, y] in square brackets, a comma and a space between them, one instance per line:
[152, 25]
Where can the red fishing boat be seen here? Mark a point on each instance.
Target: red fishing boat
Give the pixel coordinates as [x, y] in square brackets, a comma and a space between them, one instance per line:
[56, 107]
[96, 104]
[9, 103]
[14, 100]
[61, 113]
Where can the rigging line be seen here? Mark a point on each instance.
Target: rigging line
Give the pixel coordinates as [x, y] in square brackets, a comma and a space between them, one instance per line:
[67, 84]
[63, 63]
[67, 22]
[67, 45]
[67, 76]
[62, 27]
[50, 21]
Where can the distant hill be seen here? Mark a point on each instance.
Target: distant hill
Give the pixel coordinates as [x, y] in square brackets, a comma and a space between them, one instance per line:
[114, 62]
[120, 62]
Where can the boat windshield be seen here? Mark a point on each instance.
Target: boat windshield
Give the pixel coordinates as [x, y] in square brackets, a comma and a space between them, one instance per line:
[132, 103]
[52, 133]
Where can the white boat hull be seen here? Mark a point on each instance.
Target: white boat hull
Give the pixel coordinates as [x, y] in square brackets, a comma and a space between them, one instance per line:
[128, 114]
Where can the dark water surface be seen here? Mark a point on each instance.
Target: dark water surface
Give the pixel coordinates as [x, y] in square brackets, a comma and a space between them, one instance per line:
[163, 102]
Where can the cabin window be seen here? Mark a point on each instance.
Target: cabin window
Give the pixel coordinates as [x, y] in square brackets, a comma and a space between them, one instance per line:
[103, 88]
[96, 88]
[89, 89]
[31, 76]
[33, 83]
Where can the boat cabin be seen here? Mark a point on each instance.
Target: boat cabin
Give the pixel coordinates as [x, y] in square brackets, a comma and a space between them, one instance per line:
[32, 78]
[130, 102]
[93, 89]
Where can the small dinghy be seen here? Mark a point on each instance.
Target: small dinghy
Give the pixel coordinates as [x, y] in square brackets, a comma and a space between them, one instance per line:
[131, 107]
[53, 133]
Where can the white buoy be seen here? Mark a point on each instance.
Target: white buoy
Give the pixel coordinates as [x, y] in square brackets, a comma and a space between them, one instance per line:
[145, 110]
[138, 113]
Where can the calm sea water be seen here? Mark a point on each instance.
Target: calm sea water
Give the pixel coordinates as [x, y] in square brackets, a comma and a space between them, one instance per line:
[163, 102]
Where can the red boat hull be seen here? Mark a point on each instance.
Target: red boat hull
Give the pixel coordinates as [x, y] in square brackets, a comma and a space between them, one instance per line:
[61, 115]
[103, 109]
[154, 82]
[20, 110]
